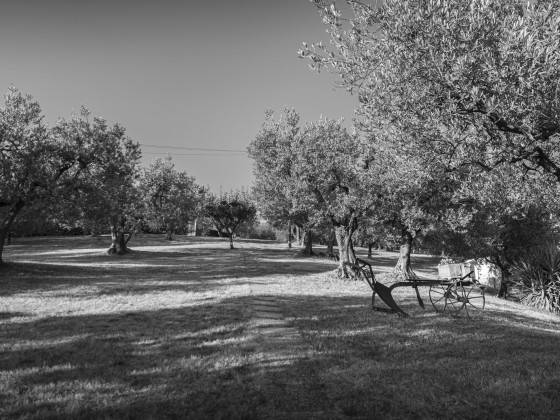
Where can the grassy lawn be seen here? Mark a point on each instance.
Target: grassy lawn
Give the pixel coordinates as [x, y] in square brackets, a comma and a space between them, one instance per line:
[167, 332]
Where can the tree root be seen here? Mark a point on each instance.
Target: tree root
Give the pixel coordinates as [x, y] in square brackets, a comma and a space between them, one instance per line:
[305, 253]
[401, 274]
[113, 251]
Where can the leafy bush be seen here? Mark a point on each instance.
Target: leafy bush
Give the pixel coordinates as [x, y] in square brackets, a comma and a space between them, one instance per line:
[537, 275]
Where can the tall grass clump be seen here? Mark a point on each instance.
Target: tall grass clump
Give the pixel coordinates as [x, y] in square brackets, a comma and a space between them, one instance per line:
[537, 276]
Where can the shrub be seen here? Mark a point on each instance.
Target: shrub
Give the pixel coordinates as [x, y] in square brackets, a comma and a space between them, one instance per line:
[537, 276]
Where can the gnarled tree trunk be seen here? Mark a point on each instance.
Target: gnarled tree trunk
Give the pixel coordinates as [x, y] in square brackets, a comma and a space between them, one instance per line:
[330, 243]
[168, 232]
[230, 234]
[502, 293]
[8, 223]
[402, 269]
[119, 238]
[370, 246]
[289, 233]
[307, 242]
[345, 248]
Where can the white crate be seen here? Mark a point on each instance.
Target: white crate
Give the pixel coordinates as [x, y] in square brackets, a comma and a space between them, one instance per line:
[468, 269]
[450, 270]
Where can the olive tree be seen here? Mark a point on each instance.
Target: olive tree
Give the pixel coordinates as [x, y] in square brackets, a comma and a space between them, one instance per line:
[30, 162]
[107, 167]
[499, 218]
[458, 86]
[317, 170]
[42, 165]
[229, 211]
[332, 181]
[273, 152]
[477, 81]
[172, 198]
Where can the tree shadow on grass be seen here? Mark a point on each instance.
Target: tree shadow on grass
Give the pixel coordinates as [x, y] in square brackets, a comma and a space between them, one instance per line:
[10, 315]
[199, 358]
[140, 272]
[69, 281]
[196, 362]
[203, 362]
[495, 364]
[85, 242]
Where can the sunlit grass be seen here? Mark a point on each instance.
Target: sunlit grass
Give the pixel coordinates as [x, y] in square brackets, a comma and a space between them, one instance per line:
[499, 364]
[167, 331]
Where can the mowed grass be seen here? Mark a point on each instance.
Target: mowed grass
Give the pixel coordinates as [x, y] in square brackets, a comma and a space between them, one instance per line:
[167, 332]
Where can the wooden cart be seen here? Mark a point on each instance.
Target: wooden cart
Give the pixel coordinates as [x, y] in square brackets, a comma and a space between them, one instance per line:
[458, 295]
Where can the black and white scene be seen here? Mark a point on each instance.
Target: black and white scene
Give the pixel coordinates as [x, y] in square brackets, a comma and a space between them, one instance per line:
[279, 209]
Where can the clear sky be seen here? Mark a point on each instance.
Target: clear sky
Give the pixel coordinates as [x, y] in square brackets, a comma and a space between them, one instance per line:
[190, 73]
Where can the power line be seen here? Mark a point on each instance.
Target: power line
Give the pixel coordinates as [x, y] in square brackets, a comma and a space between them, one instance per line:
[194, 154]
[192, 148]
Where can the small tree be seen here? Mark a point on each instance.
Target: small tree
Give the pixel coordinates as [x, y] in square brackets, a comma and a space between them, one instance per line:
[229, 212]
[332, 182]
[172, 198]
[273, 169]
[319, 171]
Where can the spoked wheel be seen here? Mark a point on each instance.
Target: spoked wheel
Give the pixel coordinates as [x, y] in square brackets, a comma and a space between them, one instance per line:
[463, 298]
[438, 293]
[474, 294]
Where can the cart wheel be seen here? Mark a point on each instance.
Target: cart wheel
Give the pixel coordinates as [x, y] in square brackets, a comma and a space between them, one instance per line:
[474, 294]
[438, 293]
[464, 297]
[454, 299]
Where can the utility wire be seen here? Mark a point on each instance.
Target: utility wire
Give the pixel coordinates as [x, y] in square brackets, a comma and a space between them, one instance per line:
[194, 154]
[192, 148]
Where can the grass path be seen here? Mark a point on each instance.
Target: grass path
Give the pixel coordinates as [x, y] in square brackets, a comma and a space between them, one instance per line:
[171, 331]
[279, 345]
